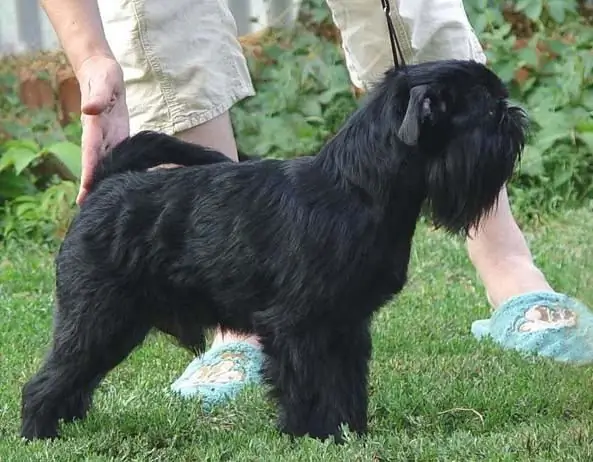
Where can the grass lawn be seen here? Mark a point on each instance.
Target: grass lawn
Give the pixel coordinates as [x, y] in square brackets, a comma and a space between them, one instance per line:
[436, 394]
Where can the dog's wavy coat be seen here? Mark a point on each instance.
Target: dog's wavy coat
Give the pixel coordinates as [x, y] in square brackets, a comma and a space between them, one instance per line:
[302, 252]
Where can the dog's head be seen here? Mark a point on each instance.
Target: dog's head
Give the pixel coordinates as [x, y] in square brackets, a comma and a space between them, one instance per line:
[457, 117]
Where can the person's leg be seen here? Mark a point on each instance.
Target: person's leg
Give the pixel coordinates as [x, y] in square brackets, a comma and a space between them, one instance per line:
[528, 312]
[184, 69]
[502, 258]
[216, 133]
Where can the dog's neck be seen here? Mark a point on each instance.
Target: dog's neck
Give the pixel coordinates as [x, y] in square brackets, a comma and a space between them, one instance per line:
[365, 154]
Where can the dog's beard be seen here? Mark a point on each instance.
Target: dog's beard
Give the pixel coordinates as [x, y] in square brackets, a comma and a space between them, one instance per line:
[464, 183]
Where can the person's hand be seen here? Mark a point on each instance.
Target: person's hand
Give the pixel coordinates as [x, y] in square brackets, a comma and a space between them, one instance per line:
[105, 118]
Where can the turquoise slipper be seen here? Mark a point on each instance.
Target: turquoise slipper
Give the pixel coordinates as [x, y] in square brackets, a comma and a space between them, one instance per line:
[220, 373]
[543, 323]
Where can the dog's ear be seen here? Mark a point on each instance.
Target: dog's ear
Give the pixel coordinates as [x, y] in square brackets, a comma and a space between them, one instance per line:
[423, 106]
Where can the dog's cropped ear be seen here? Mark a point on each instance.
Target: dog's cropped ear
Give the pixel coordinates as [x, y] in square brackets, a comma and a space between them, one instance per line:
[422, 107]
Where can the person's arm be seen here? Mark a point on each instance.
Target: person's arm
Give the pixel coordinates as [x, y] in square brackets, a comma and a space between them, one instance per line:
[78, 26]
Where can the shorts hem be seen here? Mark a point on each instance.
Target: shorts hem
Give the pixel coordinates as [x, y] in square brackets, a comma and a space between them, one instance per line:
[196, 118]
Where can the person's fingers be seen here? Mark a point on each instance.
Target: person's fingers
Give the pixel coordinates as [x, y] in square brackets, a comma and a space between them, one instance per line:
[92, 149]
[89, 162]
[100, 83]
[120, 126]
[85, 179]
[104, 115]
[82, 193]
[97, 95]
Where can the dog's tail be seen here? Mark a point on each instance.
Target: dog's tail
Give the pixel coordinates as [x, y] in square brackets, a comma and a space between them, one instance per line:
[148, 149]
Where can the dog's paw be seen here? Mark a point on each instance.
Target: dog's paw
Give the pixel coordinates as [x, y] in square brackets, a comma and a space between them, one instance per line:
[75, 408]
[313, 428]
[32, 430]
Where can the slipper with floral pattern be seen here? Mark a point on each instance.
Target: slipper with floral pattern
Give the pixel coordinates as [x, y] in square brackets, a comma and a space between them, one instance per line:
[221, 373]
[547, 324]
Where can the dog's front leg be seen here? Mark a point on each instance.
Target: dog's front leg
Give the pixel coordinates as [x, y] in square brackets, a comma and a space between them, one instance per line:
[319, 378]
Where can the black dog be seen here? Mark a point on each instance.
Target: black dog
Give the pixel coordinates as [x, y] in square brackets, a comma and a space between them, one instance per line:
[301, 252]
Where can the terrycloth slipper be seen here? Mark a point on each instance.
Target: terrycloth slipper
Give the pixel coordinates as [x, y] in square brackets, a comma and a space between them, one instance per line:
[548, 324]
[238, 363]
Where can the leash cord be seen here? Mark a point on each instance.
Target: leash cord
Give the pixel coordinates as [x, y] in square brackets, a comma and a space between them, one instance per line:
[395, 46]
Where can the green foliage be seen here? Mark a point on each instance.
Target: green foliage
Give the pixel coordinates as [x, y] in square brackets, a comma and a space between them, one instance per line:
[39, 165]
[41, 216]
[557, 90]
[301, 98]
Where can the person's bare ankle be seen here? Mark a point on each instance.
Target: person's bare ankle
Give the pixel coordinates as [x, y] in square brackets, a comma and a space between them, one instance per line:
[221, 337]
[509, 277]
[501, 256]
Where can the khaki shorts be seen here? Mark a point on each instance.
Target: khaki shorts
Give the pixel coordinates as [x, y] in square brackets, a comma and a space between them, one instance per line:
[182, 61]
[183, 64]
[435, 29]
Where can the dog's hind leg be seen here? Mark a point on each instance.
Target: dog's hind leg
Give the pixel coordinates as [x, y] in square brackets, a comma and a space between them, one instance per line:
[186, 329]
[90, 338]
[319, 378]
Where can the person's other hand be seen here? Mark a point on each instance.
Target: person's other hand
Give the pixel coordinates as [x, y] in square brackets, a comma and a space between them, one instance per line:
[105, 118]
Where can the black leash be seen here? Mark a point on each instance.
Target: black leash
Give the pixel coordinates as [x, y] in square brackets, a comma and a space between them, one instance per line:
[395, 46]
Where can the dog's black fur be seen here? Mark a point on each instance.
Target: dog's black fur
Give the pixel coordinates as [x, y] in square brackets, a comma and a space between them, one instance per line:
[302, 252]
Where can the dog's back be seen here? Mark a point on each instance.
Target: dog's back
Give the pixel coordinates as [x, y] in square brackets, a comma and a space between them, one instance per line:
[149, 149]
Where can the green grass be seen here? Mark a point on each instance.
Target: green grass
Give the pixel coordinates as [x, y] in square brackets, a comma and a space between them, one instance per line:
[436, 394]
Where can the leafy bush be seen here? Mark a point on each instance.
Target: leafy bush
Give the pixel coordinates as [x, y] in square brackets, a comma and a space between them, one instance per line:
[303, 91]
[543, 51]
[541, 48]
[39, 168]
